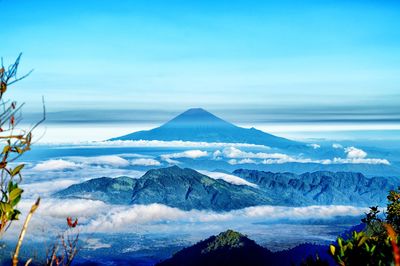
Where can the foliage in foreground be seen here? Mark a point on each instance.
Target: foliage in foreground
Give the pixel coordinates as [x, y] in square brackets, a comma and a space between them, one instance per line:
[15, 142]
[378, 243]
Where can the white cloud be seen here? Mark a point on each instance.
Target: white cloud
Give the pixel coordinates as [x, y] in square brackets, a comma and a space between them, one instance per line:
[160, 143]
[122, 219]
[99, 217]
[95, 243]
[234, 153]
[192, 154]
[228, 178]
[354, 153]
[315, 146]
[337, 146]
[145, 162]
[110, 160]
[47, 187]
[217, 155]
[360, 161]
[242, 161]
[55, 165]
[357, 156]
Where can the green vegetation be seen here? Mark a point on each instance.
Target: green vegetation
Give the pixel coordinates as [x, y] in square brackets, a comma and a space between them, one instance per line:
[378, 243]
[228, 238]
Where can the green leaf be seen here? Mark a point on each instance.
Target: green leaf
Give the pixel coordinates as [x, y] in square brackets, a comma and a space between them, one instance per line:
[17, 169]
[15, 193]
[15, 215]
[362, 241]
[6, 149]
[5, 207]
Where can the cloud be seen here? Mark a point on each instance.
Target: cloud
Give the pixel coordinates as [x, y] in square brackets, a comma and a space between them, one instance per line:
[145, 162]
[314, 146]
[354, 156]
[55, 165]
[217, 155]
[228, 178]
[354, 153]
[242, 161]
[122, 219]
[99, 217]
[360, 161]
[47, 187]
[95, 243]
[192, 154]
[234, 153]
[337, 146]
[110, 160]
[160, 143]
[358, 156]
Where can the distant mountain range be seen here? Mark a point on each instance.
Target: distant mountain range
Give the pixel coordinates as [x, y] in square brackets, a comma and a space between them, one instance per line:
[231, 248]
[199, 125]
[187, 189]
[322, 187]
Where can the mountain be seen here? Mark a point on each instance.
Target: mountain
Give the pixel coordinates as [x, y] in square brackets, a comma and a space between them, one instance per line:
[199, 125]
[181, 188]
[231, 248]
[322, 187]
[110, 190]
[228, 248]
[187, 189]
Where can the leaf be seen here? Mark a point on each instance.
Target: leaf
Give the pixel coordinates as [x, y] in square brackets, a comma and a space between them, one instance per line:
[362, 241]
[17, 169]
[15, 215]
[5, 207]
[332, 248]
[3, 87]
[6, 149]
[19, 150]
[15, 193]
[373, 249]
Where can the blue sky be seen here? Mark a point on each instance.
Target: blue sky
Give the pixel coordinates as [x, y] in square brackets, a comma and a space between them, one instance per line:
[305, 60]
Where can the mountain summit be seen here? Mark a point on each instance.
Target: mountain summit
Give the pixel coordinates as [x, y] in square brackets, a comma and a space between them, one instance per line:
[197, 124]
[198, 117]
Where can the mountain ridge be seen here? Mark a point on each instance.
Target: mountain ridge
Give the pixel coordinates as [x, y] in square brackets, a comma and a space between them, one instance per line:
[188, 189]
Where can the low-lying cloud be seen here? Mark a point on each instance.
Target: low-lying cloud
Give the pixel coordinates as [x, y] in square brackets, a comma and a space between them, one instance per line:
[145, 162]
[166, 144]
[191, 154]
[237, 156]
[55, 165]
[228, 178]
[99, 217]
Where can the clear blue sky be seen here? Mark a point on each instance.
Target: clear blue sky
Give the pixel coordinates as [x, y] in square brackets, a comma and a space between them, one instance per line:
[331, 56]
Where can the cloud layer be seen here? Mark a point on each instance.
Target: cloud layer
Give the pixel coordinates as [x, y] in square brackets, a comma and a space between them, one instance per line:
[228, 178]
[96, 216]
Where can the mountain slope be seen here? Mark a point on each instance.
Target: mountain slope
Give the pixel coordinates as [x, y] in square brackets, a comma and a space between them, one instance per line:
[227, 248]
[110, 190]
[199, 125]
[231, 248]
[187, 189]
[181, 188]
[323, 187]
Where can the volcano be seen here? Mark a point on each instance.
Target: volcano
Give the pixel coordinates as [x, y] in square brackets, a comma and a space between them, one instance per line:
[199, 125]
